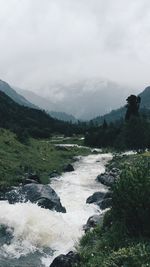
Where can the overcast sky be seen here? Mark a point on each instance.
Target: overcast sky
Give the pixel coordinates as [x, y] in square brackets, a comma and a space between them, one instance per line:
[46, 41]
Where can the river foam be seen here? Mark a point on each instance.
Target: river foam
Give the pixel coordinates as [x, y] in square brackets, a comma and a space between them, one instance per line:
[34, 228]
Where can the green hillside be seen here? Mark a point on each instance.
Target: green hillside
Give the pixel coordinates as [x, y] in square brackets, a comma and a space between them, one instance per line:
[41, 157]
[8, 90]
[34, 122]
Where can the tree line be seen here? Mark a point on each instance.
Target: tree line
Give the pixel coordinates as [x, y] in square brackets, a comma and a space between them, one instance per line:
[131, 133]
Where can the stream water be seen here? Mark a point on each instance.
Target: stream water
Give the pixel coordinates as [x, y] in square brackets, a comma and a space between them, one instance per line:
[34, 236]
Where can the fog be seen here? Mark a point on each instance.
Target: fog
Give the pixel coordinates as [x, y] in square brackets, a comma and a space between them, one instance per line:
[44, 43]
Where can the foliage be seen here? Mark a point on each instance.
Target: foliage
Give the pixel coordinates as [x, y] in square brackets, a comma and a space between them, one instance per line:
[132, 106]
[131, 199]
[132, 134]
[123, 240]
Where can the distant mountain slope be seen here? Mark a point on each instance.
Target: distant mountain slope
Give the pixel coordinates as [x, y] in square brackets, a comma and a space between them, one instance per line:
[84, 99]
[46, 105]
[119, 114]
[32, 100]
[36, 122]
[62, 116]
[145, 98]
[8, 90]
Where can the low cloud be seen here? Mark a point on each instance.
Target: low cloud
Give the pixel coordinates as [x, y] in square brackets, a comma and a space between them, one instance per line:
[62, 41]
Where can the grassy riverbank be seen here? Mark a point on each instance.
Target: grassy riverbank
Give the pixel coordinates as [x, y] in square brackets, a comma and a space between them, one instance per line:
[123, 240]
[40, 156]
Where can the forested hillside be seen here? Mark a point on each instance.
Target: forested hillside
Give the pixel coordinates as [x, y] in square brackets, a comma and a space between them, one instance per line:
[36, 123]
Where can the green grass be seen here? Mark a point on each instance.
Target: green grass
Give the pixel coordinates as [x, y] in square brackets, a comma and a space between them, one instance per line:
[40, 156]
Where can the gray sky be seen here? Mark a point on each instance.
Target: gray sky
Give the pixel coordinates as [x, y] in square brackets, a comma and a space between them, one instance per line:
[47, 41]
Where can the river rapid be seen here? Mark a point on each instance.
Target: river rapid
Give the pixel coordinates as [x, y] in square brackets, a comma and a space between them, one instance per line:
[34, 236]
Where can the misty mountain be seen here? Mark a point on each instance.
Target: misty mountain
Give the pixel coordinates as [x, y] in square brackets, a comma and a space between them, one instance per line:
[34, 122]
[29, 99]
[46, 104]
[8, 90]
[62, 116]
[118, 114]
[84, 99]
[145, 98]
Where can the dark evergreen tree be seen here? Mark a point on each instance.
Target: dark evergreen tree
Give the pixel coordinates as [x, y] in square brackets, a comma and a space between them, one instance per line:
[132, 106]
[105, 125]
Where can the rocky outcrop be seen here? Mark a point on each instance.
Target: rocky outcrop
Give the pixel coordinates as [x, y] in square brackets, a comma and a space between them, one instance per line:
[105, 203]
[102, 199]
[96, 197]
[68, 168]
[109, 177]
[43, 195]
[92, 222]
[68, 260]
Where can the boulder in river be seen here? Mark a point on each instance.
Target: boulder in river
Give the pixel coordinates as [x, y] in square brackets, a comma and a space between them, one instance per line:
[68, 260]
[106, 179]
[105, 203]
[97, 196]
[102, 199]
[43, 195]
[109, 177]
[93, 221]
[68, 168]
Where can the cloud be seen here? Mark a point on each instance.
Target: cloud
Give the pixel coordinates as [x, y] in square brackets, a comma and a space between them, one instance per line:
[43, 42]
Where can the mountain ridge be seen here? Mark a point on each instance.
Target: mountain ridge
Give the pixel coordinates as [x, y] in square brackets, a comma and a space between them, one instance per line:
[35, 122]
[8, 90]
[119, 114]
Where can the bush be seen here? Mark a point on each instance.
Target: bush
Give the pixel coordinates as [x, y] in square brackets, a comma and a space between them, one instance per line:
[131, 199]
[137, 255]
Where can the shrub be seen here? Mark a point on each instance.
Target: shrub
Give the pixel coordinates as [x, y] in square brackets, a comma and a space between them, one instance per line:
[136, 255]
[131, 199]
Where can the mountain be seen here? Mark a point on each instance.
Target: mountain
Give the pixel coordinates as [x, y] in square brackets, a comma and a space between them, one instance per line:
[29, 99]
[145, 98]
[119, 114]
[62, 116]
[88, 98]
[35, 122]
[45, 104]
[8, 90]
[84, 99]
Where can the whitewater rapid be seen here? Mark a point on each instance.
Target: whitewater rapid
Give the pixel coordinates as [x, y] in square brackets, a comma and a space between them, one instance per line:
[42, 234]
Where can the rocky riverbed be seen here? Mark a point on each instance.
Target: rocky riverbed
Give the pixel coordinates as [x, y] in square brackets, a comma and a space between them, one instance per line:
[33, 235]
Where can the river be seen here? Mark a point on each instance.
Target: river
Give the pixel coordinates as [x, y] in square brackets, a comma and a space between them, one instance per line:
[35, 236]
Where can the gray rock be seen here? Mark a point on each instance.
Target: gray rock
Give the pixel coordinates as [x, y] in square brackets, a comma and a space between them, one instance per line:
[105, 203]
[93, 221]
[97, 196]
[43, 195]
[109, 177]
[68, 260]
[102, 199]
[50, 204]
[68, 168]
[108, 194]
[106, 179]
